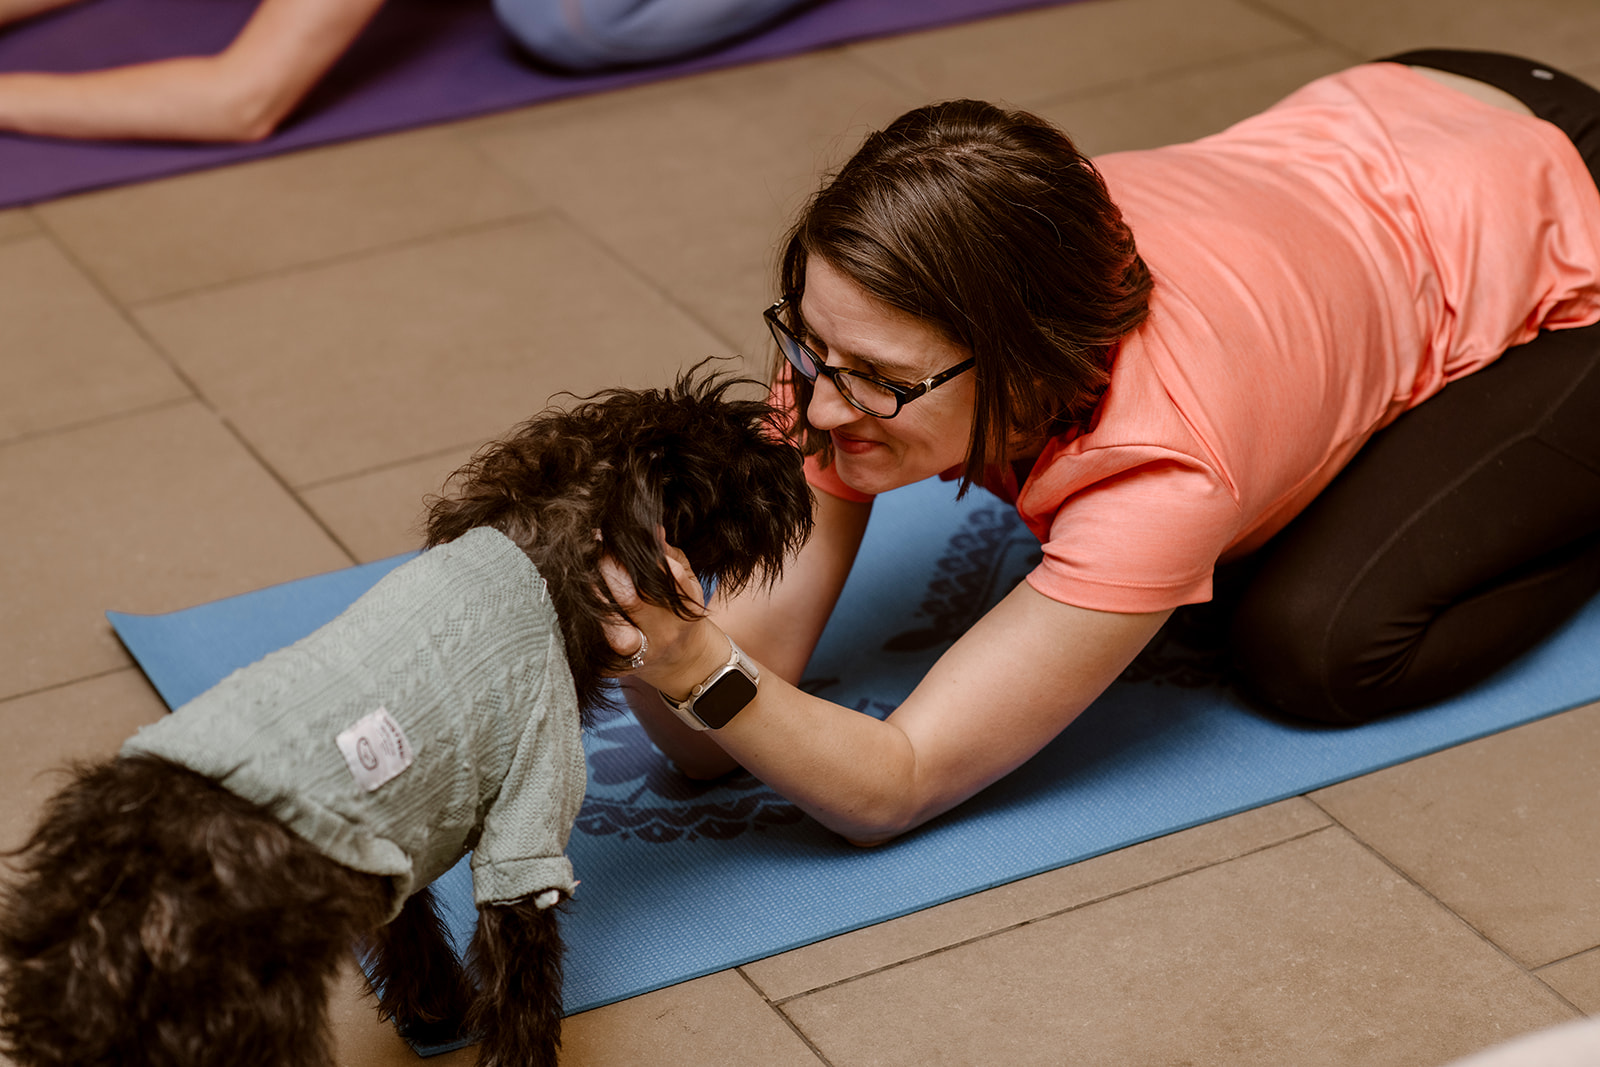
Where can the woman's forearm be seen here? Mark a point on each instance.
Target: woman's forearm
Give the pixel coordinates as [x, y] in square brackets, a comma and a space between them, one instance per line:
[240, 94]
[854, 774]
[178, 99]
[1008, 686]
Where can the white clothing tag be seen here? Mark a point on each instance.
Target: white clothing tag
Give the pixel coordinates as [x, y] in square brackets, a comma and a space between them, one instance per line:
[376, 749]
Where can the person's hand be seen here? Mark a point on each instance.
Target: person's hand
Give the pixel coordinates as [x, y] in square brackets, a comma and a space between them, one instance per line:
[669, 653]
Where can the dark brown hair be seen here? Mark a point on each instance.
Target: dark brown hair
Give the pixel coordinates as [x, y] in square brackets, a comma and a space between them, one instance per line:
[716, 473]
[991, 227]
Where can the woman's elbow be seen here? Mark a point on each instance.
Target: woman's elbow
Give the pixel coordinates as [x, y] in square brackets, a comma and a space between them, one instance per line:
[882, 821]
[248, 117]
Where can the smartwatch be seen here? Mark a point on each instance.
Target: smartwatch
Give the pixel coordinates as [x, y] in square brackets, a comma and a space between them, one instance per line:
[713, 703]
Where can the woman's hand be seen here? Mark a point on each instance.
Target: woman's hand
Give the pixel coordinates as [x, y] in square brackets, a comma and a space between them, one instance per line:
[672, 654]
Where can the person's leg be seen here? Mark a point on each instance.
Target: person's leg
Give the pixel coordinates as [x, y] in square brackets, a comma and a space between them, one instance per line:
[1456, 540]
[585, 35]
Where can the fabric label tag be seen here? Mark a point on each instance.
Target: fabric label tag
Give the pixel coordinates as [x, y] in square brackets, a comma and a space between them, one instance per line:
[376, 749]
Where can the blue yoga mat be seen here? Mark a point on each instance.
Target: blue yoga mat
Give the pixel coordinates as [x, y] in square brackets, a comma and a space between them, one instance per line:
[683, 879]
[419, 62]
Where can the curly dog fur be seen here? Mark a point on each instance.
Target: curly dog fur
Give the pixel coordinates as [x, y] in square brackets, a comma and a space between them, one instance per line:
[161, 920]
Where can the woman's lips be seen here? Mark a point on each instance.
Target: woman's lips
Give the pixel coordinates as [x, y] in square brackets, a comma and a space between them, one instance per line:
[853, 446]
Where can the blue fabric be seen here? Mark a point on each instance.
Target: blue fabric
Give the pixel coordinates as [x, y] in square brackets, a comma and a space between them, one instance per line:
[681, 879]
[590, 35]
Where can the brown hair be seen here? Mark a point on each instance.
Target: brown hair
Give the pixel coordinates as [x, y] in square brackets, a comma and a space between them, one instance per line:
[714, 472]
[991, 227]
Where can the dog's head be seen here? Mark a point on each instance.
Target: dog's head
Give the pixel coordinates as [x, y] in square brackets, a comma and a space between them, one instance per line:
[717, 474]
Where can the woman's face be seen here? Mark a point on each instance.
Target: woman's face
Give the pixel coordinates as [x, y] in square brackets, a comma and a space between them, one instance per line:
[847, 327]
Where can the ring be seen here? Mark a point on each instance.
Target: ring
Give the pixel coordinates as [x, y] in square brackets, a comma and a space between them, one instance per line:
[638, 657]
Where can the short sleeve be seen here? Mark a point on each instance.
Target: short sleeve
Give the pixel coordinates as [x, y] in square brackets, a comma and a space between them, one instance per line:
[522, 850]
[1143, 539]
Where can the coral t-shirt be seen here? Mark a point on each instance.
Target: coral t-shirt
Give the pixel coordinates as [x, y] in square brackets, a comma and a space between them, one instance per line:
[1319, 269]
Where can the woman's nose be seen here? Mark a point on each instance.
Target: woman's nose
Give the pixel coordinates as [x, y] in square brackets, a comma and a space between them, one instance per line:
[829, 409]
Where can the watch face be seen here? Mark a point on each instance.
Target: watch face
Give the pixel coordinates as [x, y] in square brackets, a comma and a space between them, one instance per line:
[724, 698]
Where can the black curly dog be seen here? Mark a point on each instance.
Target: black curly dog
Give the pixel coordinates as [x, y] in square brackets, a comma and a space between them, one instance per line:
[163, 920]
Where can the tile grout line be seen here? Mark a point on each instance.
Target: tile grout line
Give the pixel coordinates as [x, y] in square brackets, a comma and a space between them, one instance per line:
[1568, 956]
[1266, 9]
[616, 257]
[1169, 77]
[125, 312]
[99, 420]
[54, 686]
[1462, 919]
[351, 256]
[391, 465]
[787, 1020]
[986, 935]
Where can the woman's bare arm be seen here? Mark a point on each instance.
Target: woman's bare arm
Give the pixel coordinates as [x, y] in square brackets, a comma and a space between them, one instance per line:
[17, 10]
[240, 94]
[1009, 685]
[779, 628]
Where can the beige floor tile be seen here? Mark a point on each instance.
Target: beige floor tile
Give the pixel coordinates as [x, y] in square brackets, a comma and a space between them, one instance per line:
[1577, 978]
[1557, 31]
[66, 354]
[1312, 952]
[362, 1040]
[353, 366]
[218, 226]
[86, 720]
[15, 223]
[1587, 71]
[875, 947]
[1501, 830]
[1189, 105]
[693, 181]
[146, 513]
[1076, 48]
[714, 1020]
[380, 514]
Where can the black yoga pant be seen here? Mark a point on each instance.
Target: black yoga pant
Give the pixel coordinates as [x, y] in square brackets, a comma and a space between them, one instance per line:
[1462, 534]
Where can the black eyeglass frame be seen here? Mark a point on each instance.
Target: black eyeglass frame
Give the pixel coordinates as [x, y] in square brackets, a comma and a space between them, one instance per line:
[903, 394]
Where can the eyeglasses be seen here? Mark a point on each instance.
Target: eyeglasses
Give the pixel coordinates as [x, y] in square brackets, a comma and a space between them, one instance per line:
[864, 392]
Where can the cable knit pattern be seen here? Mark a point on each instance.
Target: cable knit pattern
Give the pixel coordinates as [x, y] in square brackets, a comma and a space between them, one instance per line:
[461, 646]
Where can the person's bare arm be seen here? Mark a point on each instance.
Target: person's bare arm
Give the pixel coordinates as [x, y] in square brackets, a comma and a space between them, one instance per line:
[779, 628]
[17, 10]
[240, 94]
[1014, 681]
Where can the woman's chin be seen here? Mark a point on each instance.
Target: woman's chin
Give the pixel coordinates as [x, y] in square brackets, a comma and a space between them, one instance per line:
[865, 476]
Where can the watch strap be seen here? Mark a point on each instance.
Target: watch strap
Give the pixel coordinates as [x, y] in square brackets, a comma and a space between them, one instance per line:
[740, 691]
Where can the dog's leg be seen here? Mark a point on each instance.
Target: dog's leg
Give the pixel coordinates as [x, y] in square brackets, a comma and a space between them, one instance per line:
[516, 958]
[419, 982]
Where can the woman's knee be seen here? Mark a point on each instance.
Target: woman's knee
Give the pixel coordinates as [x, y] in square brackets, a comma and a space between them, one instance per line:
[1286, 657]
[591, 35]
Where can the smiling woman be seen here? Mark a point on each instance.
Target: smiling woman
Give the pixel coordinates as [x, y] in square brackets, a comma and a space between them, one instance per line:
[1171, 417]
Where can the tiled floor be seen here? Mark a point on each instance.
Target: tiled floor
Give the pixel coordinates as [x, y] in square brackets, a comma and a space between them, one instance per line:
[225, 380]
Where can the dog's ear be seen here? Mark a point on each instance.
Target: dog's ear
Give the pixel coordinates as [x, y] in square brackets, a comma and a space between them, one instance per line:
[637, 520]
[735, 496]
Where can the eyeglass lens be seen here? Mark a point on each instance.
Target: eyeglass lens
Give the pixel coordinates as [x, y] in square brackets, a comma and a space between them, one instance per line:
[864, 393]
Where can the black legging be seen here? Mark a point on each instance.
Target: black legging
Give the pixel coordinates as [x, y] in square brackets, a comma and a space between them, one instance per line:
[1462, 534]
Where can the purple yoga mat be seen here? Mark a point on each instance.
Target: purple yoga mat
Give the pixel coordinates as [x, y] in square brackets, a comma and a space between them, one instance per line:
[420, 62]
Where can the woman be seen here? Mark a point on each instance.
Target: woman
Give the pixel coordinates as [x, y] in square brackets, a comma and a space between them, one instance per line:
[244, 92]
[1161, 371]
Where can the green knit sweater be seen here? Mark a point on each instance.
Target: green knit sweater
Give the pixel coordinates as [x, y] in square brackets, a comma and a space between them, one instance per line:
[435, 716]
